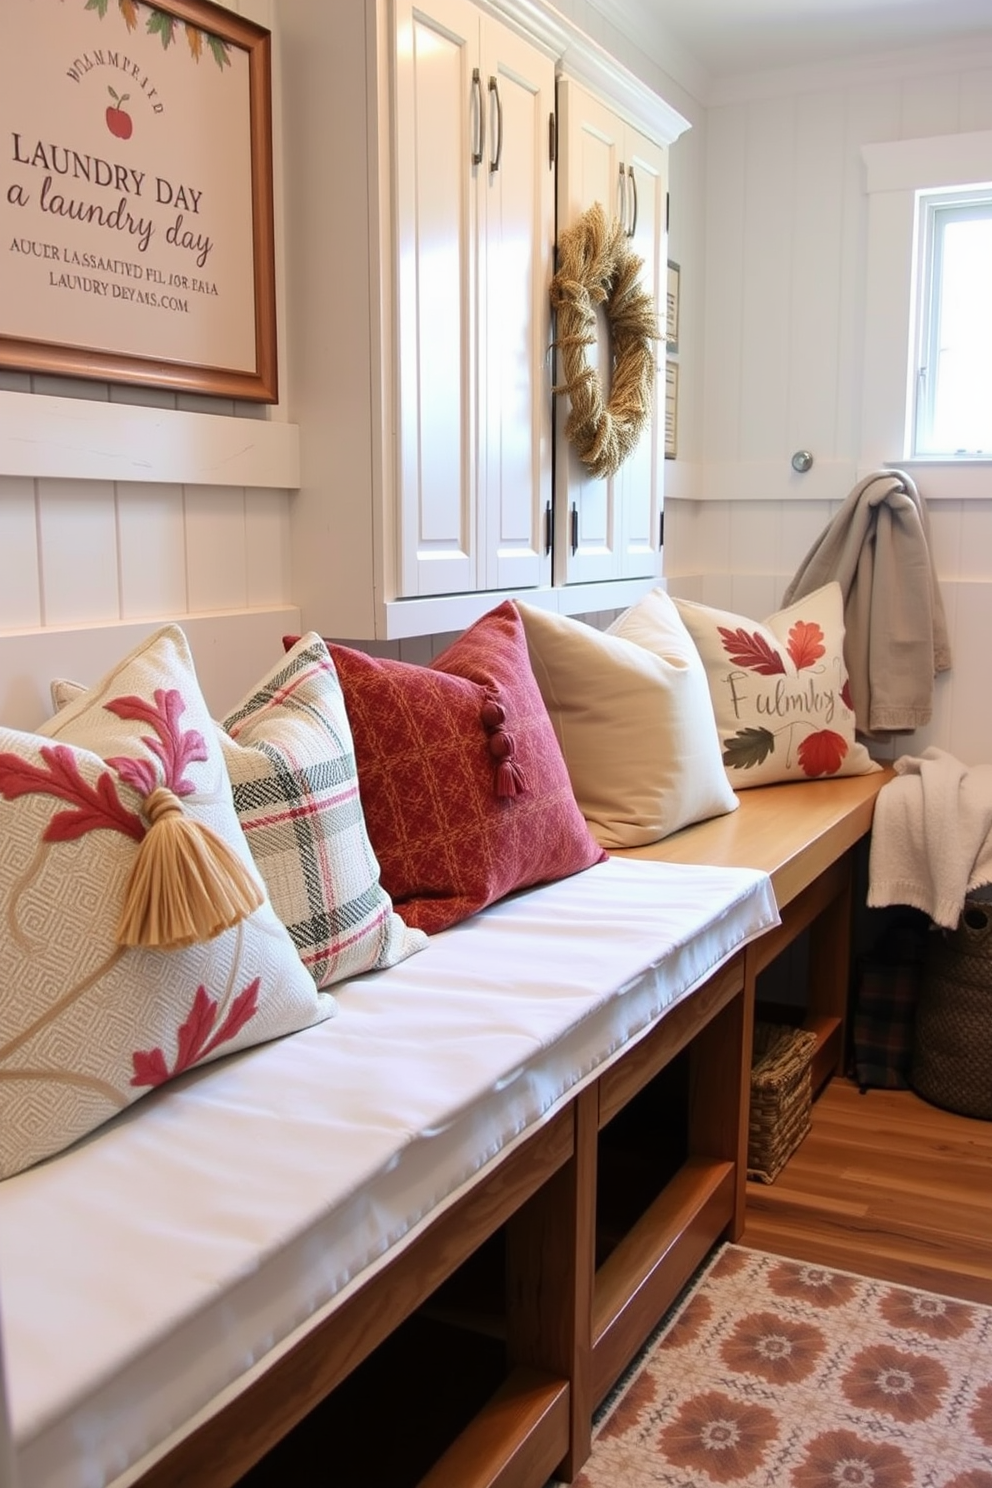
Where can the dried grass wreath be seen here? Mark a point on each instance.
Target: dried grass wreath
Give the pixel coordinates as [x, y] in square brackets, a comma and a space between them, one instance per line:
[597, 267]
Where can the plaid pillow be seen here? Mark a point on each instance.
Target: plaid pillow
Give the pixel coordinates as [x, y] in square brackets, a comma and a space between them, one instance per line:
[289, 753]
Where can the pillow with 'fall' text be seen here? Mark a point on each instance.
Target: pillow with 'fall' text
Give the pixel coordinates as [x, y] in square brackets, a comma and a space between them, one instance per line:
[780, 690]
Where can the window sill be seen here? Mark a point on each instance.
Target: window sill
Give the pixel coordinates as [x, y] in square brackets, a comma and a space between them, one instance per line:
[941, 479]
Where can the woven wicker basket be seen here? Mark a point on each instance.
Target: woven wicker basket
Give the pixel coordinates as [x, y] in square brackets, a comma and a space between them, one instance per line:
[952, 1039]
[781, 1097]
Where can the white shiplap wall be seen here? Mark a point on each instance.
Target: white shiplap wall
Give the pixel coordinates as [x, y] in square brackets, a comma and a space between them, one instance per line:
[785, 217]
[178, 507]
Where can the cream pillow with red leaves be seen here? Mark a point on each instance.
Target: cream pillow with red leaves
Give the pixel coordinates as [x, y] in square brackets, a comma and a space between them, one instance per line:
[780, 690]
[87, 1025]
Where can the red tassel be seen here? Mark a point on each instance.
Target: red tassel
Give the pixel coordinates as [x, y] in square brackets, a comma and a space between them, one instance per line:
[508, 778]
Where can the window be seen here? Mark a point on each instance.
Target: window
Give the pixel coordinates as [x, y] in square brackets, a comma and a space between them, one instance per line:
[953, 405]
[926, 390]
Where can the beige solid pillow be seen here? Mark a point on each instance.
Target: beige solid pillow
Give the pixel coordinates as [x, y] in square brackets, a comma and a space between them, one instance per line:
[635, 725]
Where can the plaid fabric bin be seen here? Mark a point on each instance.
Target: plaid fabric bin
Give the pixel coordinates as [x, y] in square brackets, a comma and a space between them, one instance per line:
[884, 1013]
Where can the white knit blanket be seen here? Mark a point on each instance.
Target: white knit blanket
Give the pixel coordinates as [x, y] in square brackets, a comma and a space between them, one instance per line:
[931, 839]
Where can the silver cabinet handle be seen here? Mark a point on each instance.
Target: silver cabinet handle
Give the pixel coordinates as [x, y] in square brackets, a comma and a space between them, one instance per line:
[633, 196]
[622, 194]
[480, 135]
[494, 93]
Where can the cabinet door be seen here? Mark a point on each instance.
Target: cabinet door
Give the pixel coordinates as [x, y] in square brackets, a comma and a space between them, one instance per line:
[609, 529]
[641, 476]
[438, 110]
[589, 156]
[515, 268]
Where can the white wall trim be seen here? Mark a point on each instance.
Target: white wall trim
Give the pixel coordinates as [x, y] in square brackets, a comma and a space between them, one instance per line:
[231, 650]
[833, 480]
[773, 480]
[874, 67]
[943, 160]
[78, 439]
[582, 58]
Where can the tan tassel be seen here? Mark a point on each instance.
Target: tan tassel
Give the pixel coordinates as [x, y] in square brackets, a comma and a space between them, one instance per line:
[187, 885]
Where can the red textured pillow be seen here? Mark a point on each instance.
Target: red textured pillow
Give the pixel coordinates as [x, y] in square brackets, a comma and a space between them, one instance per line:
[465, 791]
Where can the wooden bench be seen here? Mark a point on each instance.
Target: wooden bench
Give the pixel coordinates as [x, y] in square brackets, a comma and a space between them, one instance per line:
[579, 1285]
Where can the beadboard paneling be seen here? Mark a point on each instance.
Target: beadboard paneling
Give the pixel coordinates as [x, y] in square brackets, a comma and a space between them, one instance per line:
[150, 525]
[20, 590]
[77, 526]
[216, 548]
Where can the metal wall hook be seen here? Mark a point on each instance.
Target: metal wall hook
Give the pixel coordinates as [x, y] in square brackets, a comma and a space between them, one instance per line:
[801, 461]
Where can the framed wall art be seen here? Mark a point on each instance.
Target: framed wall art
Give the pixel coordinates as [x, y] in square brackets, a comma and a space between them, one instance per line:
[671, 410]
[672, 308]
[136, 195]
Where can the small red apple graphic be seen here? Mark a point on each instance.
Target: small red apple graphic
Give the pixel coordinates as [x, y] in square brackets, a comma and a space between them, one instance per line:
[118, 122]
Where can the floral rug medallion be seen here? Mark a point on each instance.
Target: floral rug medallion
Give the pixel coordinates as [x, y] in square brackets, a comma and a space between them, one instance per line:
[776, 1374]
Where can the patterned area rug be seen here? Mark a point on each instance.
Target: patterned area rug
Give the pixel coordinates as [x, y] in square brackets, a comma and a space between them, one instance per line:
[775, 1374]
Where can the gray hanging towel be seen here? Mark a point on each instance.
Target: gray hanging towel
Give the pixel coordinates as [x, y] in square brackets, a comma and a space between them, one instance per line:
[877, 547]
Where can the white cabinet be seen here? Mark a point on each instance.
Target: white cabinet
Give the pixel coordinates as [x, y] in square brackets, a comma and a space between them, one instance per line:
[610, 529]
[419, 182]
[416, 199]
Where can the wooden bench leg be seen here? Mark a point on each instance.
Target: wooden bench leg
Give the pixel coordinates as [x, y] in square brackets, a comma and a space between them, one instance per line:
[551, 1257]
[721, 1088]
[830, 976]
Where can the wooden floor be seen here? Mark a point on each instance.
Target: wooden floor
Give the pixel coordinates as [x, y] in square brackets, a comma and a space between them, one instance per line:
[885, 1185]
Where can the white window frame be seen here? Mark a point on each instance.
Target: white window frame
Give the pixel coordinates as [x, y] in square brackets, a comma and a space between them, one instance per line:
[936, 209]
[896, 172]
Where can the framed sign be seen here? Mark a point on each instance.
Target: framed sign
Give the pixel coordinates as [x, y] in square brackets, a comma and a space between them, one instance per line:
[672, 308]
[671, 410]
[136, 195]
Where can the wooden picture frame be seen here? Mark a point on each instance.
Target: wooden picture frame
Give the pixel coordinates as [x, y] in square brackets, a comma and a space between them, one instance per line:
[672, 306]
[671, 410]
[136, 204]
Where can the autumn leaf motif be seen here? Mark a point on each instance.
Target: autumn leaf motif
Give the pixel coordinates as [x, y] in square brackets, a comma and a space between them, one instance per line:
[90, 806]
[174, 748]
[163, 26]
[806, 644]
[845, 694]
[822, 753]
[750, 649]
[219, 50]
[748, 747]
[194, 1042]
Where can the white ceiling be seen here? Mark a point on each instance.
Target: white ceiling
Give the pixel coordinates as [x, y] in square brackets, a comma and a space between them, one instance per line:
[732, 37]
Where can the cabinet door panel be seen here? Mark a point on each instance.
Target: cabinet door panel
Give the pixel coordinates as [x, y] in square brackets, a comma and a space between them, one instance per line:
[641, 476]
[436, 236]
[589, 159]
[518, 185]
